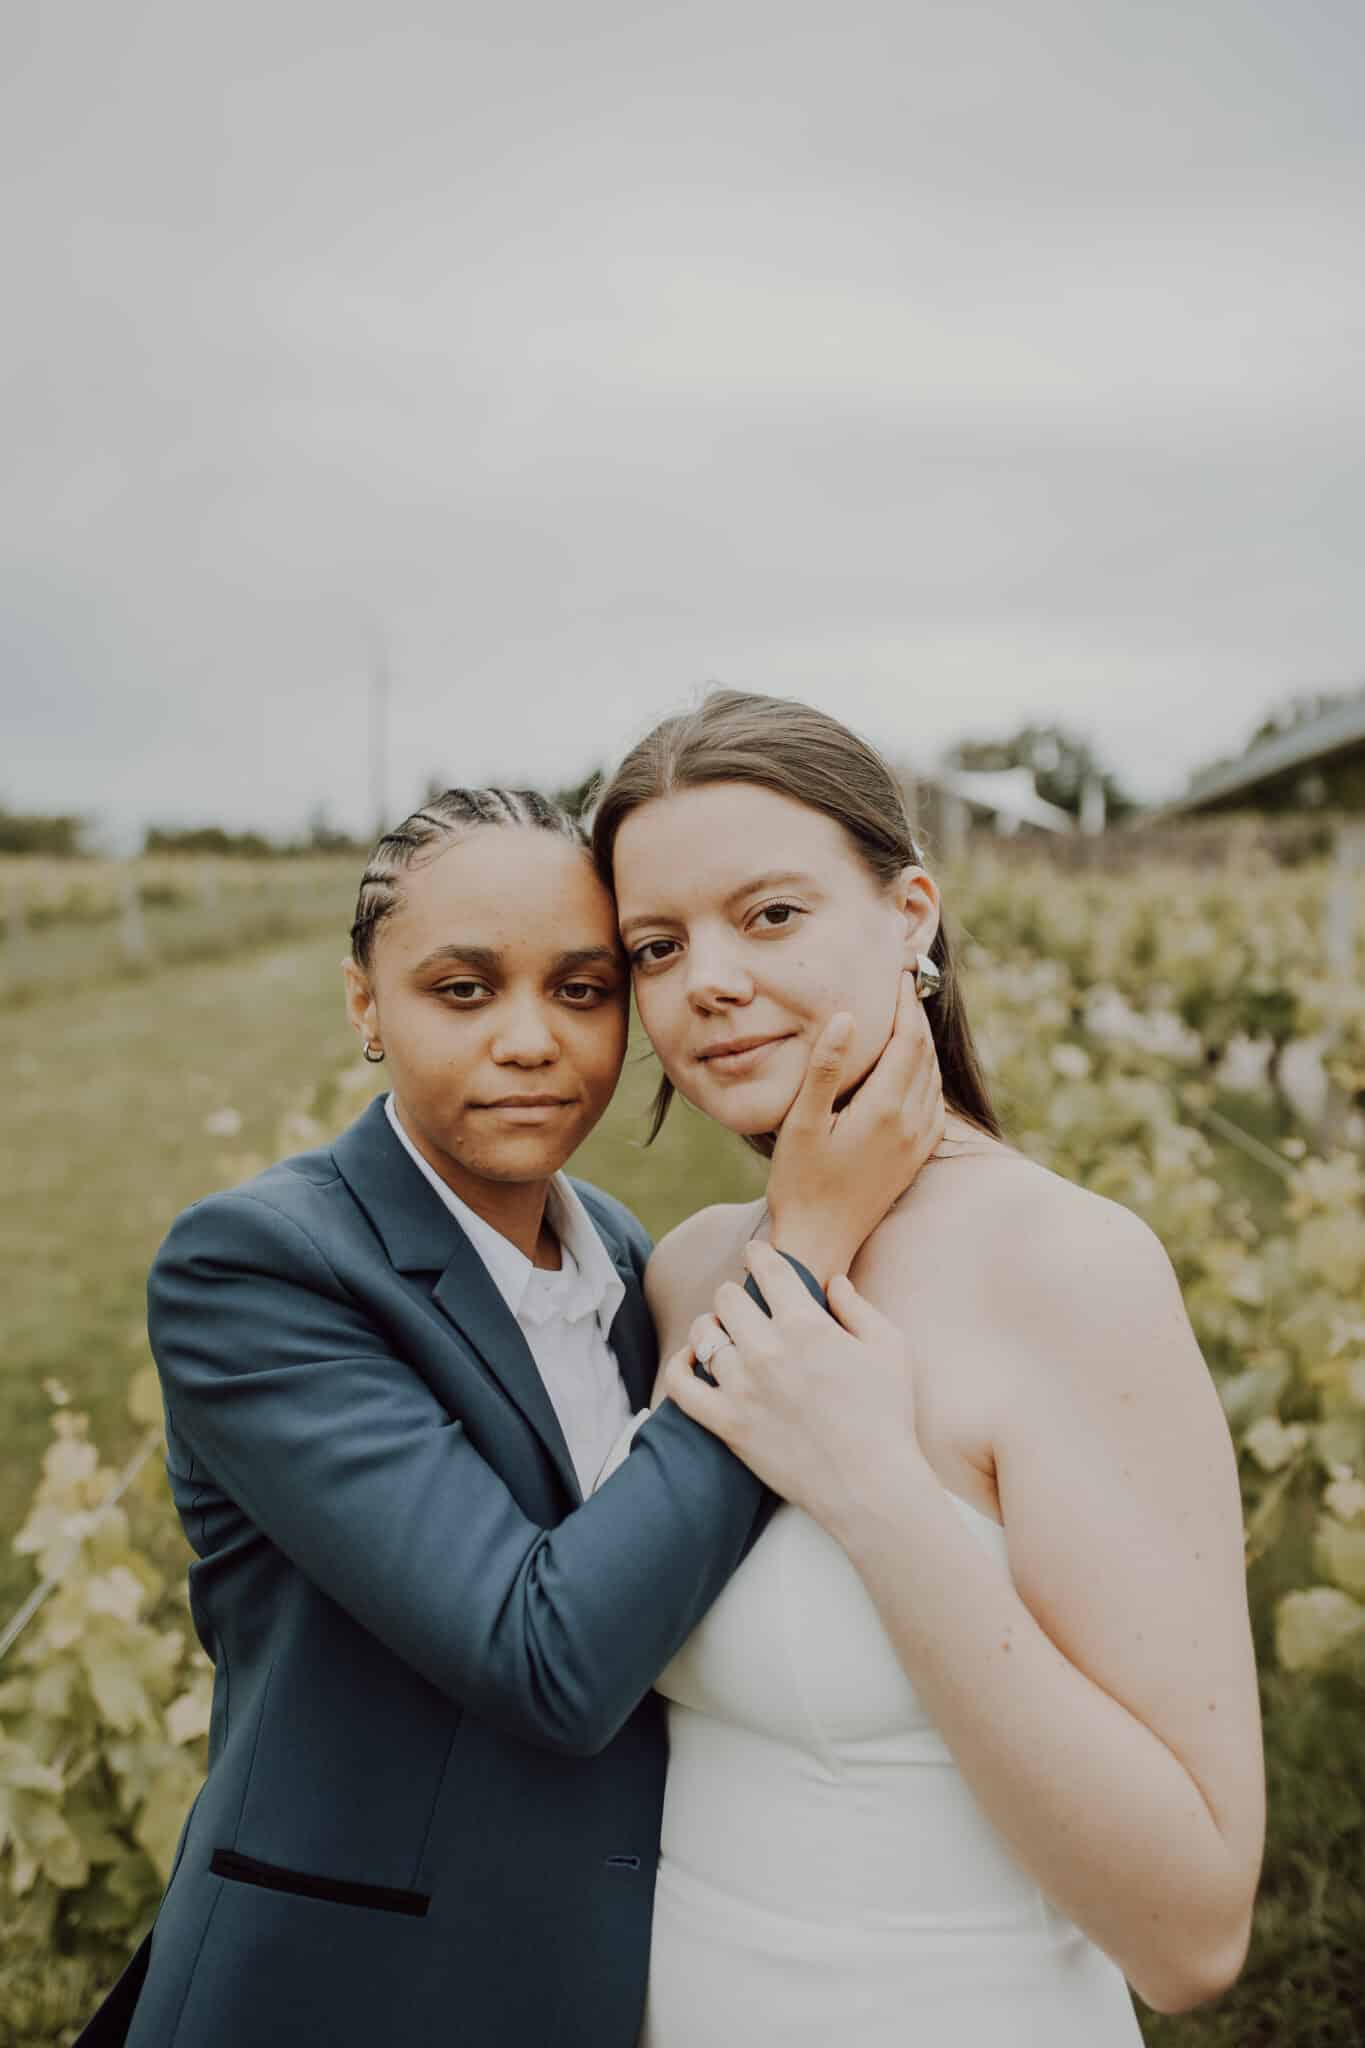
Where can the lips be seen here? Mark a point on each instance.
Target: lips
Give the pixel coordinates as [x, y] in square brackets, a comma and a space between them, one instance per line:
[728, 1048]
[528, 1102]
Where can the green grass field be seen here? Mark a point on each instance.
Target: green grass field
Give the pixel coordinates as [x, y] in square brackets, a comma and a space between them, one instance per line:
[109, 1119]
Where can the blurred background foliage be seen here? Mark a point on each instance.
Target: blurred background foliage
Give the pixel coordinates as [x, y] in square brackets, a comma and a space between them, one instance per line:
[1168, 1032]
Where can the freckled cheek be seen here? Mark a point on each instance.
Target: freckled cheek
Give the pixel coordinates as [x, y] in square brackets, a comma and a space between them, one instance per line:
[810, 991]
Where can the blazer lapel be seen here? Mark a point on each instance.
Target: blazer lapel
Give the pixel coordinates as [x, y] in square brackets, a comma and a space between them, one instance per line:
[421, 1236]
[632, 1337]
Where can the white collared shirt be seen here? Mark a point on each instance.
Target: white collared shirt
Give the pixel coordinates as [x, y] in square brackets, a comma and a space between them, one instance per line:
[565, 1316]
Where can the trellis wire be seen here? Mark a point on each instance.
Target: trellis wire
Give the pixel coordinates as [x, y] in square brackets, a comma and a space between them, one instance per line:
[17, 1623]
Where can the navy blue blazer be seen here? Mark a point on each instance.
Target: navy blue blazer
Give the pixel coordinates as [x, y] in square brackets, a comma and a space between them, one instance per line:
[431, 1814]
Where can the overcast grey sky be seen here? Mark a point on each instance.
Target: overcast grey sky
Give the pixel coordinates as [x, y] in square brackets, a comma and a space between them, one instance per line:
[943, 365]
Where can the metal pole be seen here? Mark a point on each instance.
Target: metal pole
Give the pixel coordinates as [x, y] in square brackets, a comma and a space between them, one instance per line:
[379, 739]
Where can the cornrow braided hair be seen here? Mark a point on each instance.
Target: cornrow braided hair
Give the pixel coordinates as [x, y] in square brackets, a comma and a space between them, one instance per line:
[441, 821]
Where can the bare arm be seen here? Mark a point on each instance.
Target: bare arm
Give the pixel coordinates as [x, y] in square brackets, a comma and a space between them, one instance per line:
[1103, 1706]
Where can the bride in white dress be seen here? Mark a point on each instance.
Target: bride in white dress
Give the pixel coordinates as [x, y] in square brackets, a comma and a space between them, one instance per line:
[971, 1740]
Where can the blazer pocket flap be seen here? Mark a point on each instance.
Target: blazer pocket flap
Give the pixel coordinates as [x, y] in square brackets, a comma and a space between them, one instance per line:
[304, 1884]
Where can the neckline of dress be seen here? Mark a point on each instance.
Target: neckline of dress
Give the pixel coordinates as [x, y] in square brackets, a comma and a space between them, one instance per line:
[972, 1508]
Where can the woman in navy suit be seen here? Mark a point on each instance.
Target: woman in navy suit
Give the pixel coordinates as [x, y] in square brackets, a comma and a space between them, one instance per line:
[392, 1370]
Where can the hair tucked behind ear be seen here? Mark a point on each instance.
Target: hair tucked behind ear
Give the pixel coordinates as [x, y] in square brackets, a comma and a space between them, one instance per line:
[799, 752]
[443, 820]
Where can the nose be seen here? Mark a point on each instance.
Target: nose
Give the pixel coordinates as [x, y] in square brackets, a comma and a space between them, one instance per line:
[716, 977]
[526, 1036]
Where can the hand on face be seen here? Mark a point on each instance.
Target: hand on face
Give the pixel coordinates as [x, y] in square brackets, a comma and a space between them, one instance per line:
[837, 1172]
[813, 1403]
[750, 918]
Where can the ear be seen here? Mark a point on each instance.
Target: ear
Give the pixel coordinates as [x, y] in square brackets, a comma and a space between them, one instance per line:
[915, 895]
[360, 1003]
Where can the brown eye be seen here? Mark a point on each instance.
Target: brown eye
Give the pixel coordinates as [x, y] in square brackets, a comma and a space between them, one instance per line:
[650, 955]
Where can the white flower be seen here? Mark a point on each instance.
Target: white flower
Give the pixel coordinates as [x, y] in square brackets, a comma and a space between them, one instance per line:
[1271, 1444]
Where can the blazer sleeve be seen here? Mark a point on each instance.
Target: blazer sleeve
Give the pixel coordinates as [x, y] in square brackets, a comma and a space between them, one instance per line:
[336, 1448]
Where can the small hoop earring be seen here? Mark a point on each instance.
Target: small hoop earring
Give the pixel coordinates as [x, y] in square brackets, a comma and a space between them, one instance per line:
[373, 1053]
[928, 979]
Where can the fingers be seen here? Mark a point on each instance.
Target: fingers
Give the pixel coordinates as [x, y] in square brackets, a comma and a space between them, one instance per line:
[904, 1090]
[776, 1279]
[705, 1338]
[815, 1099]
[888, 1081]
[677, 1382]
[697, 1397]
[741, 1318]
[923, 1112]
[855, 1312]
[909, 1034]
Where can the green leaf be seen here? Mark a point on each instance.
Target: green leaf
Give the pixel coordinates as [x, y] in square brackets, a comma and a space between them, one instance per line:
[1312, 1628]
[1248, 1395]
[119, 1692]
[1339, 1554]
[187, 1718]
[22, 1771]
[53, 1683]
[163, 1814]
[144, 1398]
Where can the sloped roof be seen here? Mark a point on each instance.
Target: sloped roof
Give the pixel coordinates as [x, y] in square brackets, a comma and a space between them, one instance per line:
[1315, 744]
[1009, 792]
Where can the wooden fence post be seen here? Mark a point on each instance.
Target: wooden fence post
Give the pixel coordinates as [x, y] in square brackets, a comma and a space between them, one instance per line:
[1340, 1124]
[16, 916]
[132, 924]
[1343, 898]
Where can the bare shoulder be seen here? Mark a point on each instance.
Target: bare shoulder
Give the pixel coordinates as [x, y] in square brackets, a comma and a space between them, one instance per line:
[1035, 1253]
[1081, 1252]
[1081, 1296]
[689, 1260]
[1058, 1221]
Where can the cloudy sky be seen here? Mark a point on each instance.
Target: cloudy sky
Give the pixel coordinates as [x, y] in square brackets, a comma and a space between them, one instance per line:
[943, 365]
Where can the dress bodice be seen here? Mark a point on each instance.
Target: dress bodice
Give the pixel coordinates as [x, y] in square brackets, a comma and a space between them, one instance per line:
[826, 1874]
[795, 1650]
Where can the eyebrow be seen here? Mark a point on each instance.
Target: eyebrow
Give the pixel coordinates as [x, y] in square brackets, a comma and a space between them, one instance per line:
[491, 961]
[778, 878]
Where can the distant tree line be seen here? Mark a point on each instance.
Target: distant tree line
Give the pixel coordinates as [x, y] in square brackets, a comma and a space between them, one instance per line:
[1062, 763]
[216, 839]
[30, 832]
[66, 837]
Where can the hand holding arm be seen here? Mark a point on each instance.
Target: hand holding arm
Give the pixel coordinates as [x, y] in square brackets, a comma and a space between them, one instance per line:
[293, 1404]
